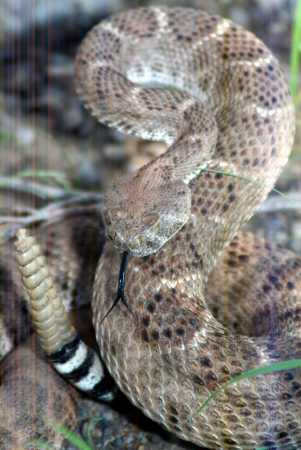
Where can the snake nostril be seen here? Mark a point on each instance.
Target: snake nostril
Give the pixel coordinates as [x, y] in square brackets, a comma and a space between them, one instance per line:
[108, 220]
[111, 235]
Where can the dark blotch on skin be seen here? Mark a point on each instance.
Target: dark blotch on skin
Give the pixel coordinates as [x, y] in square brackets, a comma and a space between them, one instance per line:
[180, 331]
[151, 308]
[211, 376]
[194, 323]
[205, 361]
[167, 333]
[266, 288]
[162, 268]
[198, 380]
[295, 386]
[273, 279]
[144, 336]
[158, 297]
[232, 263]
[155, 335]
[146, 321]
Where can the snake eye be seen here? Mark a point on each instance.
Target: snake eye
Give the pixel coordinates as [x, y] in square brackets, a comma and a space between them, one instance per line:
[150, 219]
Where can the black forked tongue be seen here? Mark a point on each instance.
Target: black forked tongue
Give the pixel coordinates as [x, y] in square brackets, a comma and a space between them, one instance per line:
[120, 296]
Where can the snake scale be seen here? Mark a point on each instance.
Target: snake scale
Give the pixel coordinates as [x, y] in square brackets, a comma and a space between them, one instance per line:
[202, 301]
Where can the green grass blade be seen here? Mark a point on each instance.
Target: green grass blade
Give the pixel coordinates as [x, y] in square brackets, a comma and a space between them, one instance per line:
[69, 435]
[241, 177]
[73, 438]
[39, 445]
[280, 446]
[271, 368]
[58, 177]
[295, 51]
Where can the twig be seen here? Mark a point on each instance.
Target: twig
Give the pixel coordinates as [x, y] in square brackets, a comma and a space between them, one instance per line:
[51, 213]
[288, 202]
[45, 192]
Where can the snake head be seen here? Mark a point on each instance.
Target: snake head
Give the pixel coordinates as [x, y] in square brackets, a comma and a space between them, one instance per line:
[141, 216]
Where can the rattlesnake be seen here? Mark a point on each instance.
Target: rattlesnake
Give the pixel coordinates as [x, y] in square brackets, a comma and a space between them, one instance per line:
[189, 321]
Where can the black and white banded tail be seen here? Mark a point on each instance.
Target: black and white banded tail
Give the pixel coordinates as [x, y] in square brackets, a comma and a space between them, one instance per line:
[70, 356]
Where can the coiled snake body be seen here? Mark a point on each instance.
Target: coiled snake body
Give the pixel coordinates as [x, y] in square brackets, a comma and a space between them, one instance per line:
[217, 96]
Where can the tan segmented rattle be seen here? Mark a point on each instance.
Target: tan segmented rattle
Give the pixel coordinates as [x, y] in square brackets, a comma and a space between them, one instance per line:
[199, 311]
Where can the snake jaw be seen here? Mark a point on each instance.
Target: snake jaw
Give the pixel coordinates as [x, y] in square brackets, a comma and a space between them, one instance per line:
[145, 240]
[141, 218]
[149, 240]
